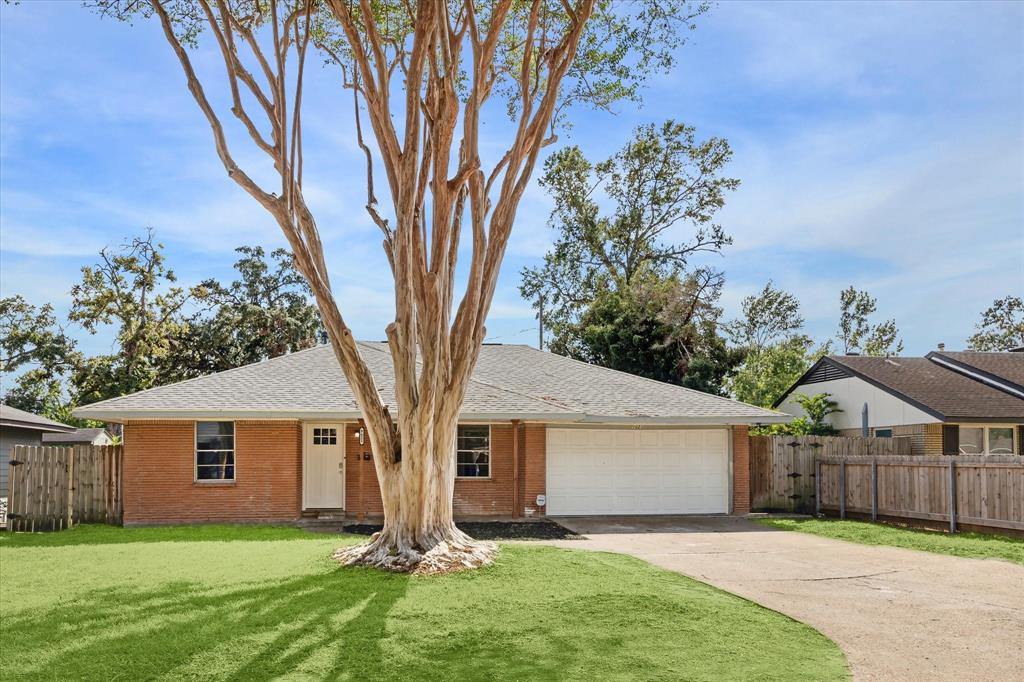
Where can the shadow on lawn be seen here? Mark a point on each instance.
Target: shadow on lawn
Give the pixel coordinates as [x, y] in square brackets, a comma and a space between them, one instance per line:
[326, 625]
[336, 625]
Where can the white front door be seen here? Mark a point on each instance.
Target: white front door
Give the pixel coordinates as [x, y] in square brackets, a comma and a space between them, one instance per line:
[323, 470]
[626, 471]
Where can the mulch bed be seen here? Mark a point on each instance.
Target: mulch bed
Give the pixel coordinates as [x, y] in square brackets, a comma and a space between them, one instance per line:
[495, 530]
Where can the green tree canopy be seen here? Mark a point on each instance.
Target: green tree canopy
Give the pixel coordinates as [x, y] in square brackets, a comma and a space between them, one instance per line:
[265, 313]
[1001, 327]
[131, 290]
[856, 333]
[34, 344]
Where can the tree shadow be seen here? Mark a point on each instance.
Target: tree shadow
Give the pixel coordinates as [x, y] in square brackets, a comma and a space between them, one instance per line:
[335, 625]
[328, 626]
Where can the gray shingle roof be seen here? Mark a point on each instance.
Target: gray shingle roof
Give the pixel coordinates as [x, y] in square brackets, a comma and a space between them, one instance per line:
[12, 416]
[91, 435]
[510, 381]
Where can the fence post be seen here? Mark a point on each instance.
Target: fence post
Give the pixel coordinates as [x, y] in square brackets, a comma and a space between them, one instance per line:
[842, 488]
[817, 487]
[952, 495]
[874, 490]
[71, 486]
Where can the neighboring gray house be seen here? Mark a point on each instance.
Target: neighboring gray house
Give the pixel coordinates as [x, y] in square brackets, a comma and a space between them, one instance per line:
[18, 427]
[97, 436]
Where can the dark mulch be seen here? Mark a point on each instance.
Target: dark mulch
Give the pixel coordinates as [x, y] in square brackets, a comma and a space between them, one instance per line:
[495, 530]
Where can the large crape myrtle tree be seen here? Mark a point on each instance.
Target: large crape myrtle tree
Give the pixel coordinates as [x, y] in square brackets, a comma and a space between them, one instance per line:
[422, 75]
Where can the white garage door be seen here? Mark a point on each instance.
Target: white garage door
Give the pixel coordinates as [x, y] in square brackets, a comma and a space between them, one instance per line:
[619, 471]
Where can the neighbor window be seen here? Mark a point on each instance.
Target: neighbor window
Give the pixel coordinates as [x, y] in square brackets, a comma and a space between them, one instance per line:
[473, 452]
[1000, 440]
[972, 440]
[215, 451]
[883, 433]
[992, 440]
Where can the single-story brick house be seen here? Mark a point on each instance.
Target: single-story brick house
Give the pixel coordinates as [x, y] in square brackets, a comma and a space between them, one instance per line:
[539, 434]
[945, 403]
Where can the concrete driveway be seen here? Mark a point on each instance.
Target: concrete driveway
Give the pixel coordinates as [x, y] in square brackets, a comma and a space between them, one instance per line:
[898, 614]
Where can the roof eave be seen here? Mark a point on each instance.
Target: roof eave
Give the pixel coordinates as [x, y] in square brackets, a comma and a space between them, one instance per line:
[121, 416]
[34, 426]
[779, 418]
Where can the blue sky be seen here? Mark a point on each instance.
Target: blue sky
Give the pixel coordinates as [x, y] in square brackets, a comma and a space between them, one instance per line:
[878, 144]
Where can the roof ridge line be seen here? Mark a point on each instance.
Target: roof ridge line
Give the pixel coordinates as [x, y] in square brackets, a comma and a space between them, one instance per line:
[495, 386]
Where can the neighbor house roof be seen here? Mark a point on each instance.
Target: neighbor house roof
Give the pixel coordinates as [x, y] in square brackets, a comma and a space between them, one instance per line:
[11, 416]
[77, 436]
[509, 382]
[933, 387]
[1004, 371]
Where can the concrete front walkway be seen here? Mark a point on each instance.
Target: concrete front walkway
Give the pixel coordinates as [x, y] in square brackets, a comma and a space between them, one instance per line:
[898, 614]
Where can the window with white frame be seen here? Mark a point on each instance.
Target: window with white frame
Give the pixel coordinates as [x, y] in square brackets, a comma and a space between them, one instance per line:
[993, 440]
[473, 452]
[215, 451]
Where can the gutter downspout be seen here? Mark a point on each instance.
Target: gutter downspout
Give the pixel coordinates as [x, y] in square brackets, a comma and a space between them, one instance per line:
[515, 469]
[864, 420]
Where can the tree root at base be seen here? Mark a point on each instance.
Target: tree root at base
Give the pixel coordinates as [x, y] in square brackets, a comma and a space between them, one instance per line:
[456, 552]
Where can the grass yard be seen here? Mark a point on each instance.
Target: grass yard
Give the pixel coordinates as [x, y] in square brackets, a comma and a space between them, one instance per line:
[970, 545]
[233, 603]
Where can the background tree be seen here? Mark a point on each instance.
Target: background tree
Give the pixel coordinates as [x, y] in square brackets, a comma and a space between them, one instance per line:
[1001, 327]
[856, 334]
[777, 353]
[132, 290]
[767, 373]
[265, 313]
[663, 177]
[450, 59]
[659, 329]
[34, 344]
[769, 317]
[615, 291]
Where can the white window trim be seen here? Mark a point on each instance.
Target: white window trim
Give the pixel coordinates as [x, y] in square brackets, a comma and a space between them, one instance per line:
[985, 438]
[195, 454]
[490, 454]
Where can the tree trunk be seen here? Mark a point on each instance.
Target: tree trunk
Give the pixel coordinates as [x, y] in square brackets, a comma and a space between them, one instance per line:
[419, 534]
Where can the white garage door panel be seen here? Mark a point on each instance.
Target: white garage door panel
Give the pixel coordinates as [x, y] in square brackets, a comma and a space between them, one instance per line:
[625, 471]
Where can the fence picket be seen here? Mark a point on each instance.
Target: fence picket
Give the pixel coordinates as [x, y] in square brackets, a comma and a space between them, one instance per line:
[54, 487]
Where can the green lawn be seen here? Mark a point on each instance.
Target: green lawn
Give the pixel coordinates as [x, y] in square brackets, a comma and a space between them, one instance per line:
[971, 545]
[258, 603]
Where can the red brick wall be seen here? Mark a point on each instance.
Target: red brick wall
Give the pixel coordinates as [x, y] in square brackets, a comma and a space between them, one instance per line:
[159, 485]
[534, 470]
[473, 497]
[362, 494]
[740, 470]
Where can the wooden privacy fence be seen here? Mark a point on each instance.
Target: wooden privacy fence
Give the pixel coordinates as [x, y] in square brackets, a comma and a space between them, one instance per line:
[975, 490]
[782, 470]
[55, 487]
